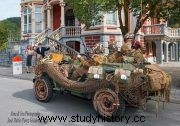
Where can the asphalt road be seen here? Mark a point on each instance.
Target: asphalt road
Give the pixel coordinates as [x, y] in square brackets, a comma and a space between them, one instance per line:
[18, 107]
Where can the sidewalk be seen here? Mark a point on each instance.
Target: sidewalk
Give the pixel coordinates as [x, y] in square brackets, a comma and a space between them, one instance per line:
[8, 71]
[170, 64]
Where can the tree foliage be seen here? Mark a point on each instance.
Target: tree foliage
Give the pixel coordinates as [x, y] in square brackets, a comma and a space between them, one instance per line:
[13, 25]
[89, 10]
[3, 37]
[9, 29]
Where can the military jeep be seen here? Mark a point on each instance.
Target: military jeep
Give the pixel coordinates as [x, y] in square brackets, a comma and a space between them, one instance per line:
[110, 86]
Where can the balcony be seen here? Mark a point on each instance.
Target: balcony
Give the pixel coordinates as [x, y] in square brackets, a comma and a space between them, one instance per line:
[161, 31]
[72, 31]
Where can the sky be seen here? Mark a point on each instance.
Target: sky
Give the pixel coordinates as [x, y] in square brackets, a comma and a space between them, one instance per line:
[9, 8]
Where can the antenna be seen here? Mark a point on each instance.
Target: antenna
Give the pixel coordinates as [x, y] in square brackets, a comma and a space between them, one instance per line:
[141, 8]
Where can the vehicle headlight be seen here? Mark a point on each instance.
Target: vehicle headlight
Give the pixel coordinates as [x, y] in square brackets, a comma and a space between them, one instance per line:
[123, 77]
[96, 76]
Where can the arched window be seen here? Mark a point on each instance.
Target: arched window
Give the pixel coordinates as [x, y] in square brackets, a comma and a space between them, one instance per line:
[27, 21]
[38, 19]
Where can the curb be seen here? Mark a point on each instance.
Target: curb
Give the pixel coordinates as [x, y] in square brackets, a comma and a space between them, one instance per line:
[17, 77]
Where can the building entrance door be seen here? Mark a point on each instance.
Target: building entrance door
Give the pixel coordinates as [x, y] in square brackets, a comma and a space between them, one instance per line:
[56, 16]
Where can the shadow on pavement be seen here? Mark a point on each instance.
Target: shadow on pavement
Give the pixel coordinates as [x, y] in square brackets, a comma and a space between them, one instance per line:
[71, 106]
[67, 104]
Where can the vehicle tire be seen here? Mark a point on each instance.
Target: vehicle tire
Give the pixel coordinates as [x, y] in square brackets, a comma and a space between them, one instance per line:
[43, 89]
[107, 103]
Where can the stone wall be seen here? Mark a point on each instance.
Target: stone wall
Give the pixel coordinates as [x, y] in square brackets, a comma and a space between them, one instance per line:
[13, 49]
[5, 58]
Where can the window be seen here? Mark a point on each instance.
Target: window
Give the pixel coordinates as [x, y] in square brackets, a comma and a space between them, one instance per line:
[27, 21]
[38, 19]
[111, 18]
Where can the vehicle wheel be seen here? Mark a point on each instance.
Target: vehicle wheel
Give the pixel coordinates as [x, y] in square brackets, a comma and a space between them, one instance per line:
[43, 89]
[106, 102]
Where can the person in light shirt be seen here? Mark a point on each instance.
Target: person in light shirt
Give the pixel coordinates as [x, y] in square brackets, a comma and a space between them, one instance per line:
[29, 53]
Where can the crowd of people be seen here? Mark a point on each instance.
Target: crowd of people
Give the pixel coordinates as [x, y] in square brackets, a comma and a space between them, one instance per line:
[33, 53]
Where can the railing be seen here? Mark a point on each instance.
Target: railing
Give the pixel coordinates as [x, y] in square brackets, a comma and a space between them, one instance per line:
[72, 30]
[40, 38]
[155, 29]
[161, 29]
[63, 48]
[65, 31]
[57, 34]
[174, 32]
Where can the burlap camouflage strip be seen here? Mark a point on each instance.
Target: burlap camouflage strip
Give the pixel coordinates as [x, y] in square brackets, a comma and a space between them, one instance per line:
[90, 85]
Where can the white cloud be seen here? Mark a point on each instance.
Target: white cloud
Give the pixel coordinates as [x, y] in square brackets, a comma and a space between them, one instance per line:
[9, 8]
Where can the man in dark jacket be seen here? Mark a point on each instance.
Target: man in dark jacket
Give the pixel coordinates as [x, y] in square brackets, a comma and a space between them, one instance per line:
[41, 50]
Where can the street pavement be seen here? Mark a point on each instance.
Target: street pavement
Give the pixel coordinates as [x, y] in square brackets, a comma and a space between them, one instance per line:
[19, 107]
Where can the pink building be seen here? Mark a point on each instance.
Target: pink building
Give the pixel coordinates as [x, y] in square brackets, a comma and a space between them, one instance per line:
[55, 18]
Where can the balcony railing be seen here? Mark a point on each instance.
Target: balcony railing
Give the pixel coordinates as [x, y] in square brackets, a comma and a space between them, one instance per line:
[174, 32]
[69, 31]
[66, 31]
[72, 31]
[161, 29]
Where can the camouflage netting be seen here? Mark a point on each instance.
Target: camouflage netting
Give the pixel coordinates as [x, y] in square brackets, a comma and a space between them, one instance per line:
[88, 86]
[116, 57]
[159, 80]
[138, 56]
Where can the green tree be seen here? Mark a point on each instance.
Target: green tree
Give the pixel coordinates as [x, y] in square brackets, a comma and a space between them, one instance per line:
[13, 27]
[9, 29]
[89, 10]
[3, 37]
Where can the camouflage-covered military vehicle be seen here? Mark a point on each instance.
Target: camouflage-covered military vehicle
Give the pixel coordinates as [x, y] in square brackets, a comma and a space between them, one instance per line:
[110, 85]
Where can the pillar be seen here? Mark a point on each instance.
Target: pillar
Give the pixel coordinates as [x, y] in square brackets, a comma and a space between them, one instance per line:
[159, 52]
[119, 41]
[176, 52]
[172, 48]
[43, 19]
[166, 51]
[104, 40]
[33, 23]
[82, 45]
[49, 16]
[62, 4]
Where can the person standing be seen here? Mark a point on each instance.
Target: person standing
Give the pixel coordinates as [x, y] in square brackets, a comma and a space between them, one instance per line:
[34, 58]
[29, 53]
[41, 50]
